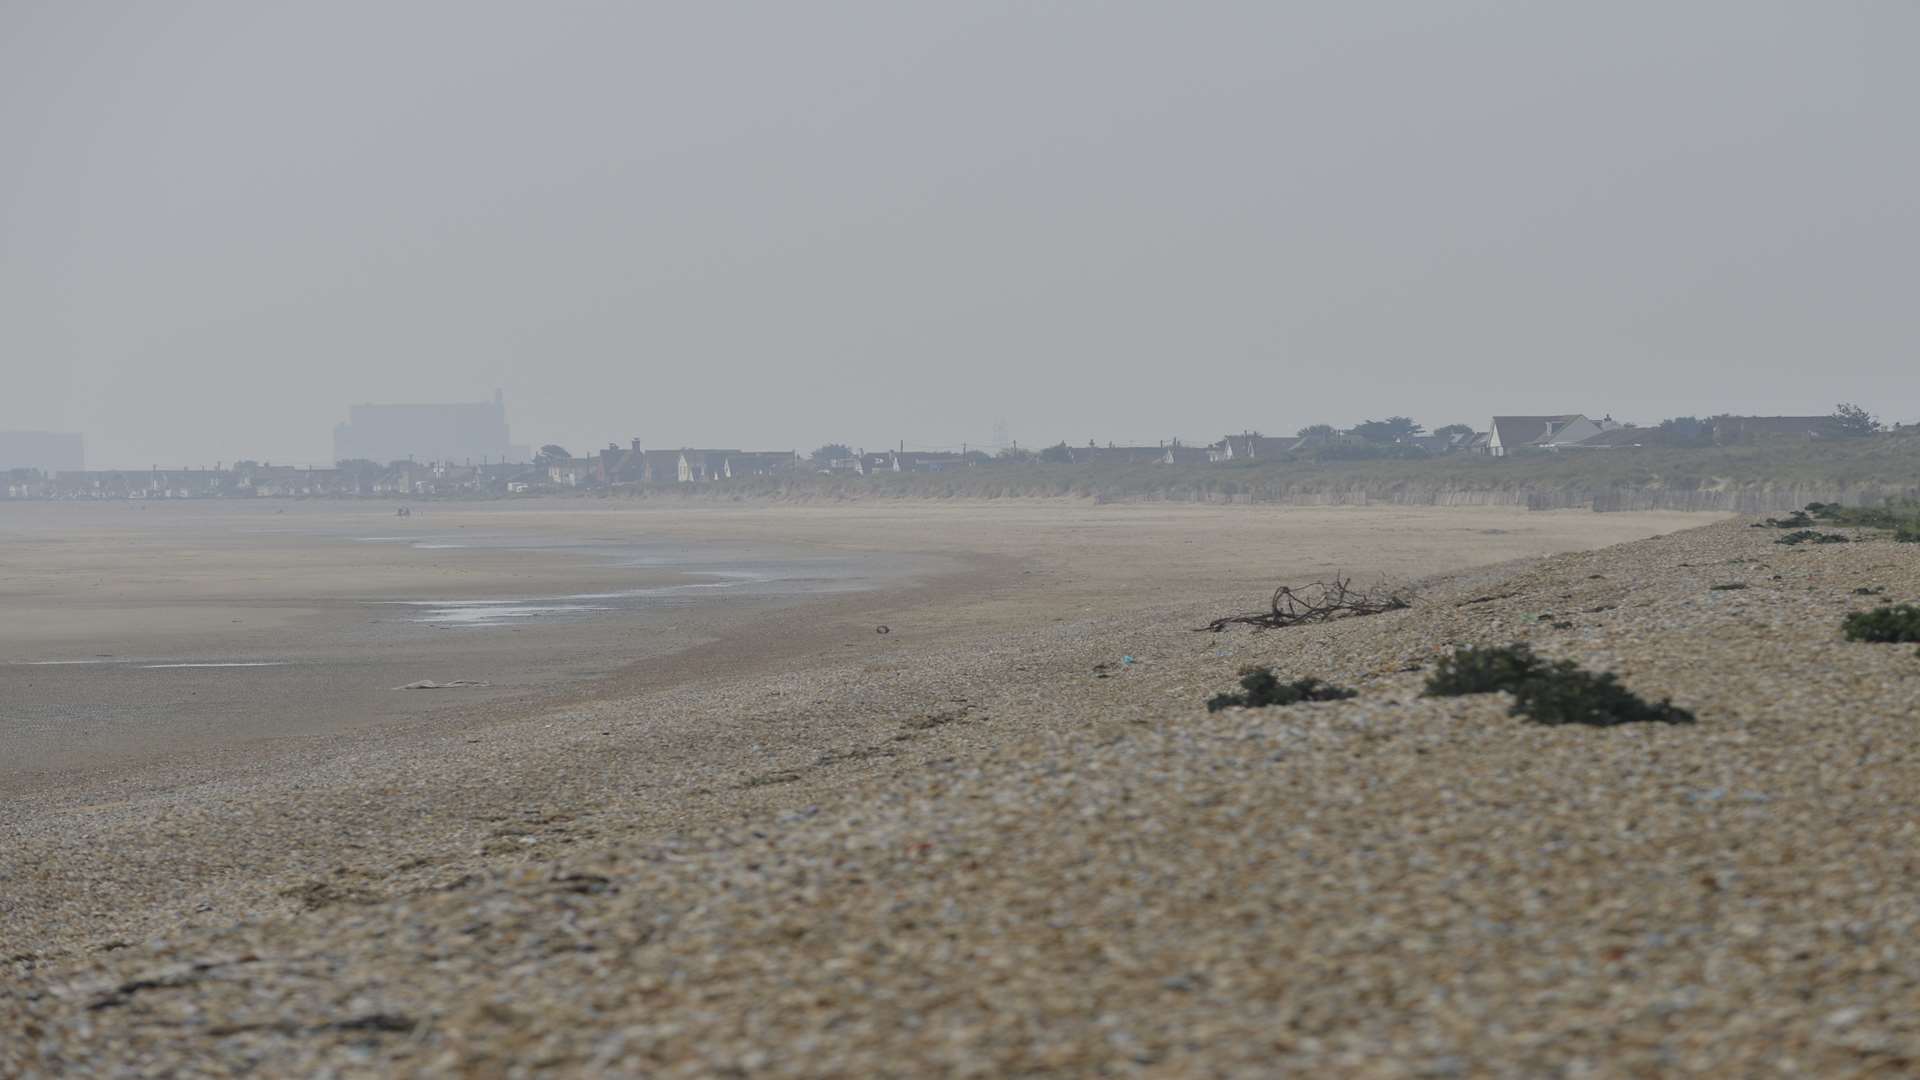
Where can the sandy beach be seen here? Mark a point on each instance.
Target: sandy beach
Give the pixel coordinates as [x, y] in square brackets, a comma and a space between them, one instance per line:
[145, 630]
[1006, 836]
[142, 632]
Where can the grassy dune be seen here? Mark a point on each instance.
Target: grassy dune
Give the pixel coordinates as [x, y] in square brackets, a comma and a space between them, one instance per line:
[1762, 477]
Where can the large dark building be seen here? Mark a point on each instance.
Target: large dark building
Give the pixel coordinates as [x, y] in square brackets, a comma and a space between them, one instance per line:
[48, 451]
[462, 432]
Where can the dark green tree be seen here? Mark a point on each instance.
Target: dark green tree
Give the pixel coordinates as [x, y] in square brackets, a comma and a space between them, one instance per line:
[1388, 430]
[1855, 420]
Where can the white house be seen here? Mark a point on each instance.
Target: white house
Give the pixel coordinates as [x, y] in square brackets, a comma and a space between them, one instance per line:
[1509, 433]
[574, 472]
[700, 466]
[1253, 448]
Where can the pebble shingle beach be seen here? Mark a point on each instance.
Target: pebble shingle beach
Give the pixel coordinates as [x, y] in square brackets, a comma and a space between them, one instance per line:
[1008, 849]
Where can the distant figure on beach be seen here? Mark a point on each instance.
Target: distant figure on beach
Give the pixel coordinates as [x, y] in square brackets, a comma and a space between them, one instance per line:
[403, 512]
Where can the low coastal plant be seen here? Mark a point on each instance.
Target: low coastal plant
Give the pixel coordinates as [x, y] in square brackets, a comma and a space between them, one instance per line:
[1898, 516]
[1485, 671]
[1897, 622]
[1548, 691]
[1895, 514]
[1260, 687]
[1808, 536]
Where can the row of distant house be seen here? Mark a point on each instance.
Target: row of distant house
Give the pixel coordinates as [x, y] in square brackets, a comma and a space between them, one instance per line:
[618, 466]
[1509, 434]
[1503, 436]
[249, 480]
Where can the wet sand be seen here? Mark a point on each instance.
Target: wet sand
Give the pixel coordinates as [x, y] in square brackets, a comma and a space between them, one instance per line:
[140, 630]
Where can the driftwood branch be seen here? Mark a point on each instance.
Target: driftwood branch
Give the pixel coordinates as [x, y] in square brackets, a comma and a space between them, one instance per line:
[1319, 602]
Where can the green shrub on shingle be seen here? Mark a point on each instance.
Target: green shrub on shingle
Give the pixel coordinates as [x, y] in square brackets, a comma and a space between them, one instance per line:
[1261, 687]
[1808, 536]
[1548, 691]
[1485, 671]
[1898, 622]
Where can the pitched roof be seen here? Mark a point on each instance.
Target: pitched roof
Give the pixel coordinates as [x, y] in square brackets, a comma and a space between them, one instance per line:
[1260, 447]
[1529, 430]
[1631, 436]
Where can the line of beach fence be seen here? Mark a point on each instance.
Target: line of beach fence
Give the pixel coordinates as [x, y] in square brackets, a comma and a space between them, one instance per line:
[1746, 499]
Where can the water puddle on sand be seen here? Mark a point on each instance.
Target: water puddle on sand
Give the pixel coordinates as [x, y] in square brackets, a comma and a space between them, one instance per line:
[491, 612]
[219, 663]
[428, 543]
[705, 571]
[484, 613]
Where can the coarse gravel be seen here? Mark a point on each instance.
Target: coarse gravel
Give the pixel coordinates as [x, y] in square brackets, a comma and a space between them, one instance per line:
[1053, 861]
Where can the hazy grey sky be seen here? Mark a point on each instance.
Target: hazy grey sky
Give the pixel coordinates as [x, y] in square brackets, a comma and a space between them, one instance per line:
[771, 225]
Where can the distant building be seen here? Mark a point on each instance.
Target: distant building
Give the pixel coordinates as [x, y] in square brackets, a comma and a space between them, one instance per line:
[623, 466]
[1729, 430]
[24, 483]
[468, 431]
[1629, 436]
[760, 463]
[700, 466]
[576, 472]
[48, 451]
[1251, 447]
[1511, 433]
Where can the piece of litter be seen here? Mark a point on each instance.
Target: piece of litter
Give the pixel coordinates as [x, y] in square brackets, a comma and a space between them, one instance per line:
[450, 684]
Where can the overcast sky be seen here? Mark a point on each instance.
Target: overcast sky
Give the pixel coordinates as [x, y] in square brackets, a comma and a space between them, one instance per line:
[772, 225]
